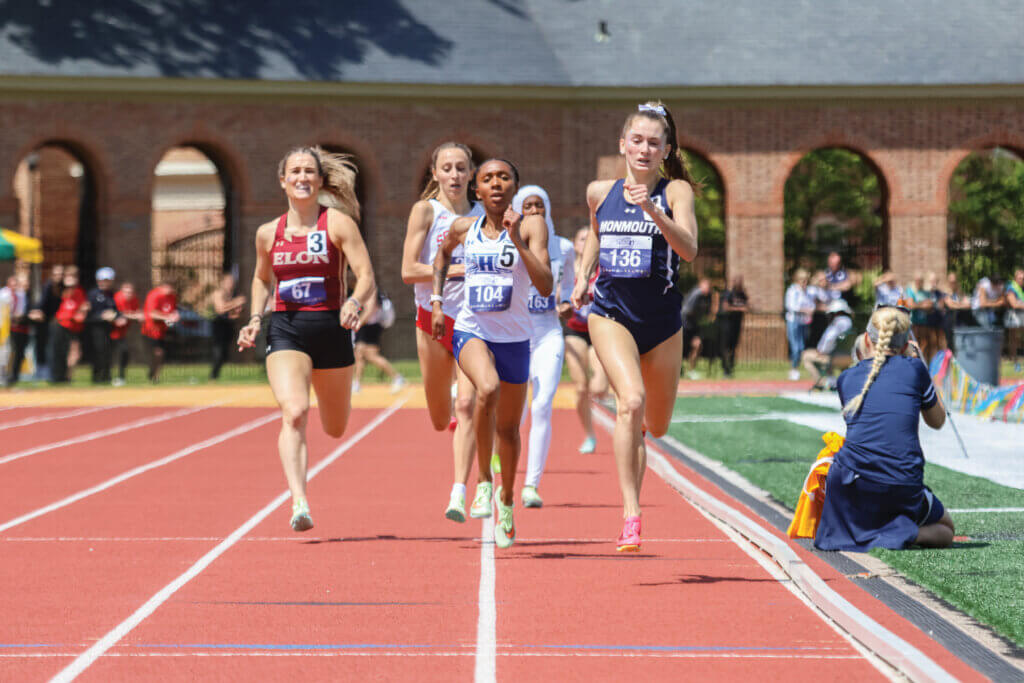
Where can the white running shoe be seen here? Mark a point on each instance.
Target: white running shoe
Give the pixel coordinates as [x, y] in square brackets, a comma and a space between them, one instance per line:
[504, 528]
[301, 519]
[481, 506]
[456, 507]
[397, 384]
[356, 386]
[794, 375]
[530, 497]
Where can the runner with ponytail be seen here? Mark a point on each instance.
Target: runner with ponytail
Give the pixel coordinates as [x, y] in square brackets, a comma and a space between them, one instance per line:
[640, 228]
[309, 341]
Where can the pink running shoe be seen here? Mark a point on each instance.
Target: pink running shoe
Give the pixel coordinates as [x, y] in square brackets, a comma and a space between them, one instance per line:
[629, 539]
[452, 424]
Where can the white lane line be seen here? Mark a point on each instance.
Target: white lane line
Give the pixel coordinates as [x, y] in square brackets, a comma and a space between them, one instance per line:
[969, 510]
[895, 651]
[485, 670]
[303, 539]
[53, 416]
[84, 660]
[144, 422]
[392, 653]
[124, 476]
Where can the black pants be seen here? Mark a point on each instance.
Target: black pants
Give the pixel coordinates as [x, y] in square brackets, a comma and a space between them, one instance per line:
[42, 344]
[120, 355]
[60, 344]
[729, 338]
[99, 337]
[19, 341]
[223, 335]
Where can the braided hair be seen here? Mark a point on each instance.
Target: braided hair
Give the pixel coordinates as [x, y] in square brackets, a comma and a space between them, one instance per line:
[890, 322]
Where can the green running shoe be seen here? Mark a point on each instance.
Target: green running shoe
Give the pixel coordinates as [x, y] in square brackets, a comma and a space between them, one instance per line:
[505, 528]
[456, 508]
[530, 497]
[481, 506]
[301, 520]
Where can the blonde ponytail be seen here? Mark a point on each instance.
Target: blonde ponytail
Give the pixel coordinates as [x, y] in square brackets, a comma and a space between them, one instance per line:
[338, 172]
[890, 322]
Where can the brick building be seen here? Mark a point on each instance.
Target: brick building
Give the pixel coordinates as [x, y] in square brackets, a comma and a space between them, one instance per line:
[912, 86]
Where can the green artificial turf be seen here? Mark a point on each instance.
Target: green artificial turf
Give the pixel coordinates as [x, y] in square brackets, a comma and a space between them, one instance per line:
[983, 574]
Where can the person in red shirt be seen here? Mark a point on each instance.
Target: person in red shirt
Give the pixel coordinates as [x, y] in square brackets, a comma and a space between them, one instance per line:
[159, 311]
[127, 311]
[70, 318]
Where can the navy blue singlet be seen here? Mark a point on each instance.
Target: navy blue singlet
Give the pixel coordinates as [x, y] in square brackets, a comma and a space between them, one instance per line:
[636, 284]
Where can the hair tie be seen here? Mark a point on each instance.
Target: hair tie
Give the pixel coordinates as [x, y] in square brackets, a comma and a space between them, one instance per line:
[656, 108]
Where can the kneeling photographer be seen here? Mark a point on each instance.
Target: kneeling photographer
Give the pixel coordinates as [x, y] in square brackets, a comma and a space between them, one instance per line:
[875, 494]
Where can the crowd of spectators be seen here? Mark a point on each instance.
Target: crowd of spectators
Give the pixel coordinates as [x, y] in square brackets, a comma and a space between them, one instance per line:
[61, 323]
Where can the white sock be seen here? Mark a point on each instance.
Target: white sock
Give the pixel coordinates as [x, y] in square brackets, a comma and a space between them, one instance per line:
[459, 488]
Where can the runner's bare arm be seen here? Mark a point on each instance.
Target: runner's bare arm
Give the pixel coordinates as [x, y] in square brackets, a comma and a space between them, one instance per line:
[344, 232]
[596, 193]
[680, 231]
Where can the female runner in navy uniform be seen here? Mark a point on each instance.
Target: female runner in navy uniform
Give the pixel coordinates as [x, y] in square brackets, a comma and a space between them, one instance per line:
[640, 227]
[309, 342]
[443, 200]
[504, 253]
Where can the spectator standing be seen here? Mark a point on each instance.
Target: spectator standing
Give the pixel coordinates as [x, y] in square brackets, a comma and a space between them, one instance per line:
[732, 304]
[99, 323]
[1014, 318]
[988, 300]
[921, 304]
[65, 347]
[42, 316]
[128, 310]
[227, 308]
[839, 282]
[935, 320]
[818, 289]
[887, 290]
[800, 307]
[957, 308]
[696, 307]
[159, 311]
[16, 296]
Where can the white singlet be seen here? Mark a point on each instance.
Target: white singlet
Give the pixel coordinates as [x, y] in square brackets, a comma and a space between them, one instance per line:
[494, 305]
[443, 219]
[544, 309]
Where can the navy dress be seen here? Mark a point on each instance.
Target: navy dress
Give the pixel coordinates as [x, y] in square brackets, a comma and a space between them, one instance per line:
[875, 495]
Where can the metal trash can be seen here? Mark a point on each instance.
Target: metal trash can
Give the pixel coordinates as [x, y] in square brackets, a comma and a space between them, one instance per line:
[978, 350]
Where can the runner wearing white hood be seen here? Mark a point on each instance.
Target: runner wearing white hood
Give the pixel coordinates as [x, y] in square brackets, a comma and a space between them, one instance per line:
[547, 345]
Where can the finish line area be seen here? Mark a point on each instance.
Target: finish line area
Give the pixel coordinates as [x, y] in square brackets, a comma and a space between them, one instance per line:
[151, 540]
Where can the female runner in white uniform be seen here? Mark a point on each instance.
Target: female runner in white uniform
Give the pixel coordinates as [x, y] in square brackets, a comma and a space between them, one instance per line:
[504, 253]
[547, 345]
[443, 200]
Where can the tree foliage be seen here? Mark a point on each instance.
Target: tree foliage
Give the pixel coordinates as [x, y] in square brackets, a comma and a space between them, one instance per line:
[709, 208]
[986, 216]
[833, 202]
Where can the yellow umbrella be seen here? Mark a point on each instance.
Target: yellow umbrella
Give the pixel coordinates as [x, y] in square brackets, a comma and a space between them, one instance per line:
[14, 245]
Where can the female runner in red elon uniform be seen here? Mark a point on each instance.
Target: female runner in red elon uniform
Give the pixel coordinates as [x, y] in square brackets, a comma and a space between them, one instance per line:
[309, 342]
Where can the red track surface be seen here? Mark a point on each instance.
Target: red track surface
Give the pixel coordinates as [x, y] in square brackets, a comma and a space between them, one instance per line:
[384, 587]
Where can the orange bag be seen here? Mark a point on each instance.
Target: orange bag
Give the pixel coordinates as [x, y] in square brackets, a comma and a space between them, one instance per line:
[812, 497]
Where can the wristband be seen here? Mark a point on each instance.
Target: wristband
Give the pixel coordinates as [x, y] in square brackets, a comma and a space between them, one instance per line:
[355, 302]
[256, 316]
[436, 299]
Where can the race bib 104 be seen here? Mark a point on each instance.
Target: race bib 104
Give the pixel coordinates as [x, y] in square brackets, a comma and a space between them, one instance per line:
[626, 255]
[305, 291]
[489, 293]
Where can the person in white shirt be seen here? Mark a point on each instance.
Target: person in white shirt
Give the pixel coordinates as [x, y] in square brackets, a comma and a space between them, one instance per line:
[799, 309]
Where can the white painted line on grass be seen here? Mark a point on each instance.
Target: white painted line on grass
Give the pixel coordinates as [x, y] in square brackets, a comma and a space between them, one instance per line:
[751, 417]
[177, 455]
[895, 651]
[53, 416]
[485, 670]
[84, 660]
[91, 436]
[969, 510]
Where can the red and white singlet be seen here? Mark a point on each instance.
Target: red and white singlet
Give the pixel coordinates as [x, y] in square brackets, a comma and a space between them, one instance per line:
[306, 268]
[443, 219]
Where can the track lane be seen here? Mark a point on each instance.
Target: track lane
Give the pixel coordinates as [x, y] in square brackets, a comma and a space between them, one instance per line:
[91, 462]
[385, 588]
[79, 590]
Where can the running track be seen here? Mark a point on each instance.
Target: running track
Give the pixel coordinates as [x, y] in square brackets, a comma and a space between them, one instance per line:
[384, 587]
